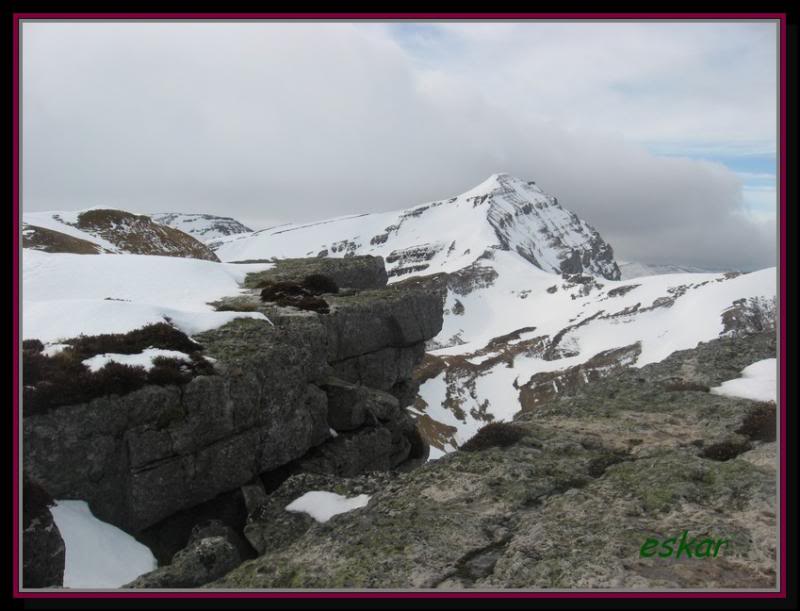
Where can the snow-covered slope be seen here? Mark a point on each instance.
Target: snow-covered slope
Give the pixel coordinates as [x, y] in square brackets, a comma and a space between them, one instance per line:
[502, 213]
[65, 295]
[108, 231]
[526, 335]
[205, 227]
[632, 269]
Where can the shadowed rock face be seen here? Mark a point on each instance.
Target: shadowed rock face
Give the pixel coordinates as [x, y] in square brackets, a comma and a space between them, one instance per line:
[43, 549]
[141, 457]
[568, 503]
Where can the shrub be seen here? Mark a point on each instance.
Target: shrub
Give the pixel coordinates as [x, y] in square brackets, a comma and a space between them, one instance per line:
[317, 284]
[35, 501]
[287, 293]
[494, 435]
[116, 379]
[32, 345]
[725, 450]
[158, 335]
[759, 423]
[167, 371]
[63, 379]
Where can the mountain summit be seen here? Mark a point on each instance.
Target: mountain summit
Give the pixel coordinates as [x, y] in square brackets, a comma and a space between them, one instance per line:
[501, 213]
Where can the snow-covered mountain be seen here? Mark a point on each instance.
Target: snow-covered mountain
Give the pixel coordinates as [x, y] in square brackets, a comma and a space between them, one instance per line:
[104, 230]
[535, 303]
[205, 227]
[503, 213]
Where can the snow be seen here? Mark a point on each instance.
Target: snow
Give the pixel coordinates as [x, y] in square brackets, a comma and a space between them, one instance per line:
[65, 295]
[142, 359]
[322, 505]
[98, 555]
[53, 349]
[758, 382]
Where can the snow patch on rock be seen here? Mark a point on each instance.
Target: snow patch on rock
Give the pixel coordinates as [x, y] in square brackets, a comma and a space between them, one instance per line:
[758, 382]
[98, 555]
[322, 505]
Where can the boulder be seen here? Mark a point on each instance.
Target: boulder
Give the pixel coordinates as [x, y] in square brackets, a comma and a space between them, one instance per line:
[210, 553]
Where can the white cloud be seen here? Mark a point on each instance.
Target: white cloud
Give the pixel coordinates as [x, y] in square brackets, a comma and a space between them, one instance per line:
[277, 122]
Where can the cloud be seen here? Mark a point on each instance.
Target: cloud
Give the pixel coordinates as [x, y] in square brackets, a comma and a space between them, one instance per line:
[281, 122]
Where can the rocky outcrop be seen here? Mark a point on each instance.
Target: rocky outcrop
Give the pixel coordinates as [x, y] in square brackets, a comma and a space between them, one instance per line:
[210, 553]
[43, 552]
[567, 501]
[140, 235]
[143, 456]
[365, 272]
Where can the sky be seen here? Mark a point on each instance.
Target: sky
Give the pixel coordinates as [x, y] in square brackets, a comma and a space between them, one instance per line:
[661, 135]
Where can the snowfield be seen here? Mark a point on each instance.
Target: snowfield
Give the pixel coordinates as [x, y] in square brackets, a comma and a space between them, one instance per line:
[322, 505]
[694, 317]
[758, 382]
[65, 295]
[98, 555]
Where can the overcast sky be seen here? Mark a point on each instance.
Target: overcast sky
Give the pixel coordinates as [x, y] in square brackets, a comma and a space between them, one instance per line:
[661, 135]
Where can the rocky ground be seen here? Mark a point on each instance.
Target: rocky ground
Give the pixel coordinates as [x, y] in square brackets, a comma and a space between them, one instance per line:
[586, 479]
[562, 497]
[320, 393]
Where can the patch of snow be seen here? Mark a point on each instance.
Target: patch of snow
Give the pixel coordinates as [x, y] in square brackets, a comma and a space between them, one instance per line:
[65, 295]
[98, 555]
[322, 505]
[435, 453]
[53, 349]
[142, 359]
[758, 382]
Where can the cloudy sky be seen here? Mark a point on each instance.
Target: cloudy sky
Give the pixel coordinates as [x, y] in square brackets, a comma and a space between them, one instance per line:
[661, 135]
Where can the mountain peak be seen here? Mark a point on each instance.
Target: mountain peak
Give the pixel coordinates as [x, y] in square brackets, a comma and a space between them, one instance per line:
[501, 213]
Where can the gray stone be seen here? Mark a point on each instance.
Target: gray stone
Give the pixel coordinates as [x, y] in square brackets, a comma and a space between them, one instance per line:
[43, 553]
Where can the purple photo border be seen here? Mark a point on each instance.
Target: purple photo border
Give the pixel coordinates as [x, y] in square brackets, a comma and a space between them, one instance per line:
[18, 17]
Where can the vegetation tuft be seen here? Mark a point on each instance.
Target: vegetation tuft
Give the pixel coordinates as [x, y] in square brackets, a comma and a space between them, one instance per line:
[63, 379]
[317, 284]
[726, 450]
[158, 335]
[289, 293]
[494, 435]
[759, 424]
